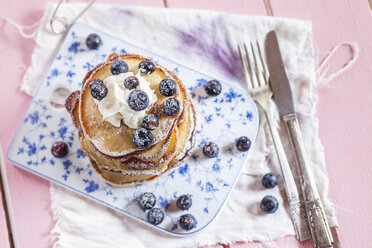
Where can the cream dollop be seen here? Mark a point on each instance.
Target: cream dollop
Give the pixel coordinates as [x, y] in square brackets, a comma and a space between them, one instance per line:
[114, 107]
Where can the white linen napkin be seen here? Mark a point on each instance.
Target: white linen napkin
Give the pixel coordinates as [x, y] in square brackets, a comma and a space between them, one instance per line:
[206, 41]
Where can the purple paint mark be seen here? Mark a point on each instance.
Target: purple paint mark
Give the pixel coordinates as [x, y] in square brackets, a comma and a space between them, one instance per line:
[125, 12]
[120, 14]
[121, 11]
[204, 38]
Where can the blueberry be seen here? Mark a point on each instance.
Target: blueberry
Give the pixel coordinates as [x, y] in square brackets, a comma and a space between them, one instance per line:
[93, 41]
[150, 122]
[59, 149]
[187, 222]
[146, 67]
[184, 202]
[168, 87]
[131, 82]
[97, 89]
[269, 204]
[119, 66]
[95, 82]
[213, 88]
[155, 216]
[270, 180]
[142, 138]
[211, 150]
[171, 107]
[138, 100]
[243, 144]
[147, 200]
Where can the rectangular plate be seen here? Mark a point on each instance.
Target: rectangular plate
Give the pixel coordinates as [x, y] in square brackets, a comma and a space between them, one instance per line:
[221, 119]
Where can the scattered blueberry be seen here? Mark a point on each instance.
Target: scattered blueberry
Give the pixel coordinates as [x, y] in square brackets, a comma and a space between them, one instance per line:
[187, 222]
[93, 41]
[155, 216]
[131, 82]
[119, 66]
[269, 204]
[150, 122]
[171, 107]
[243, 144]
[147, 200]
[142, 138]
[184, 202]
[213, 88]
[146, 67]
[59, 149]
[168, 87]
[270, 180]
[211, 150]
[97, 89]
[138, 100]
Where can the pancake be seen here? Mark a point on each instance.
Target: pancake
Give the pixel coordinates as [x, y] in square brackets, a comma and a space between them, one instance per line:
[110, 149]
[117, 165]
[127, 178]
[150, 155]
[179, 136]
[116, 141]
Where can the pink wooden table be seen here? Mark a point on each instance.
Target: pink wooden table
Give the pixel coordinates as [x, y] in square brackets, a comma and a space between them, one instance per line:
[344, 111]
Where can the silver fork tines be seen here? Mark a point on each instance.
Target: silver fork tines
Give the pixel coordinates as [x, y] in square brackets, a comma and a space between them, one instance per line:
[264, 66]
[257, 80]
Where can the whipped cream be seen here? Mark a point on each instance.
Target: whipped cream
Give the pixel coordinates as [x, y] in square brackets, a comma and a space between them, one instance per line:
[114, 107]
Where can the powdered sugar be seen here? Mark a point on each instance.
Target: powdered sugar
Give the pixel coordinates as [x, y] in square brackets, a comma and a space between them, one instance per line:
[136, 172]
[188, 144]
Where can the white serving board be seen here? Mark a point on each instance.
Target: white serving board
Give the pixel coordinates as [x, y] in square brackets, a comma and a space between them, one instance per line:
[221, 119]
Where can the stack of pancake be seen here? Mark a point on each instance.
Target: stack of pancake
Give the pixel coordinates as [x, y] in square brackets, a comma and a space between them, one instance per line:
[111, 150]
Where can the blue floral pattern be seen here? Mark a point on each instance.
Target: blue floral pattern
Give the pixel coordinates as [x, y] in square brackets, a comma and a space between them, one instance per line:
[221, 119]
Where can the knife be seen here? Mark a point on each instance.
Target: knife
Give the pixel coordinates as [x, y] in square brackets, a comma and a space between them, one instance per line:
[316, 219]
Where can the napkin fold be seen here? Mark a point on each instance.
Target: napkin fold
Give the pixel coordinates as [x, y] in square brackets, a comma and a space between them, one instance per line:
[206, 41]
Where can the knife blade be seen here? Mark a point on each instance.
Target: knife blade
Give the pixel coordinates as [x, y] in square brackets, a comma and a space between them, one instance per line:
[317, 222]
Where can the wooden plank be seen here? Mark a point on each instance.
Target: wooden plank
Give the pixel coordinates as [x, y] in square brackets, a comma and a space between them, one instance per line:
[344, 109]
[344, 124]
[4, 239]
[7, 204]
[269, 9]
[246, 7]
[30, 194]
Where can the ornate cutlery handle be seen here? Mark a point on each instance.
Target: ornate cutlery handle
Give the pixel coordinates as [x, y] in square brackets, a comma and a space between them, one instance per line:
[319, 228]
[293, 197]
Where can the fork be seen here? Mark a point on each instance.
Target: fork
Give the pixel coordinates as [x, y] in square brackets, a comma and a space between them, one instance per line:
[257, 80]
